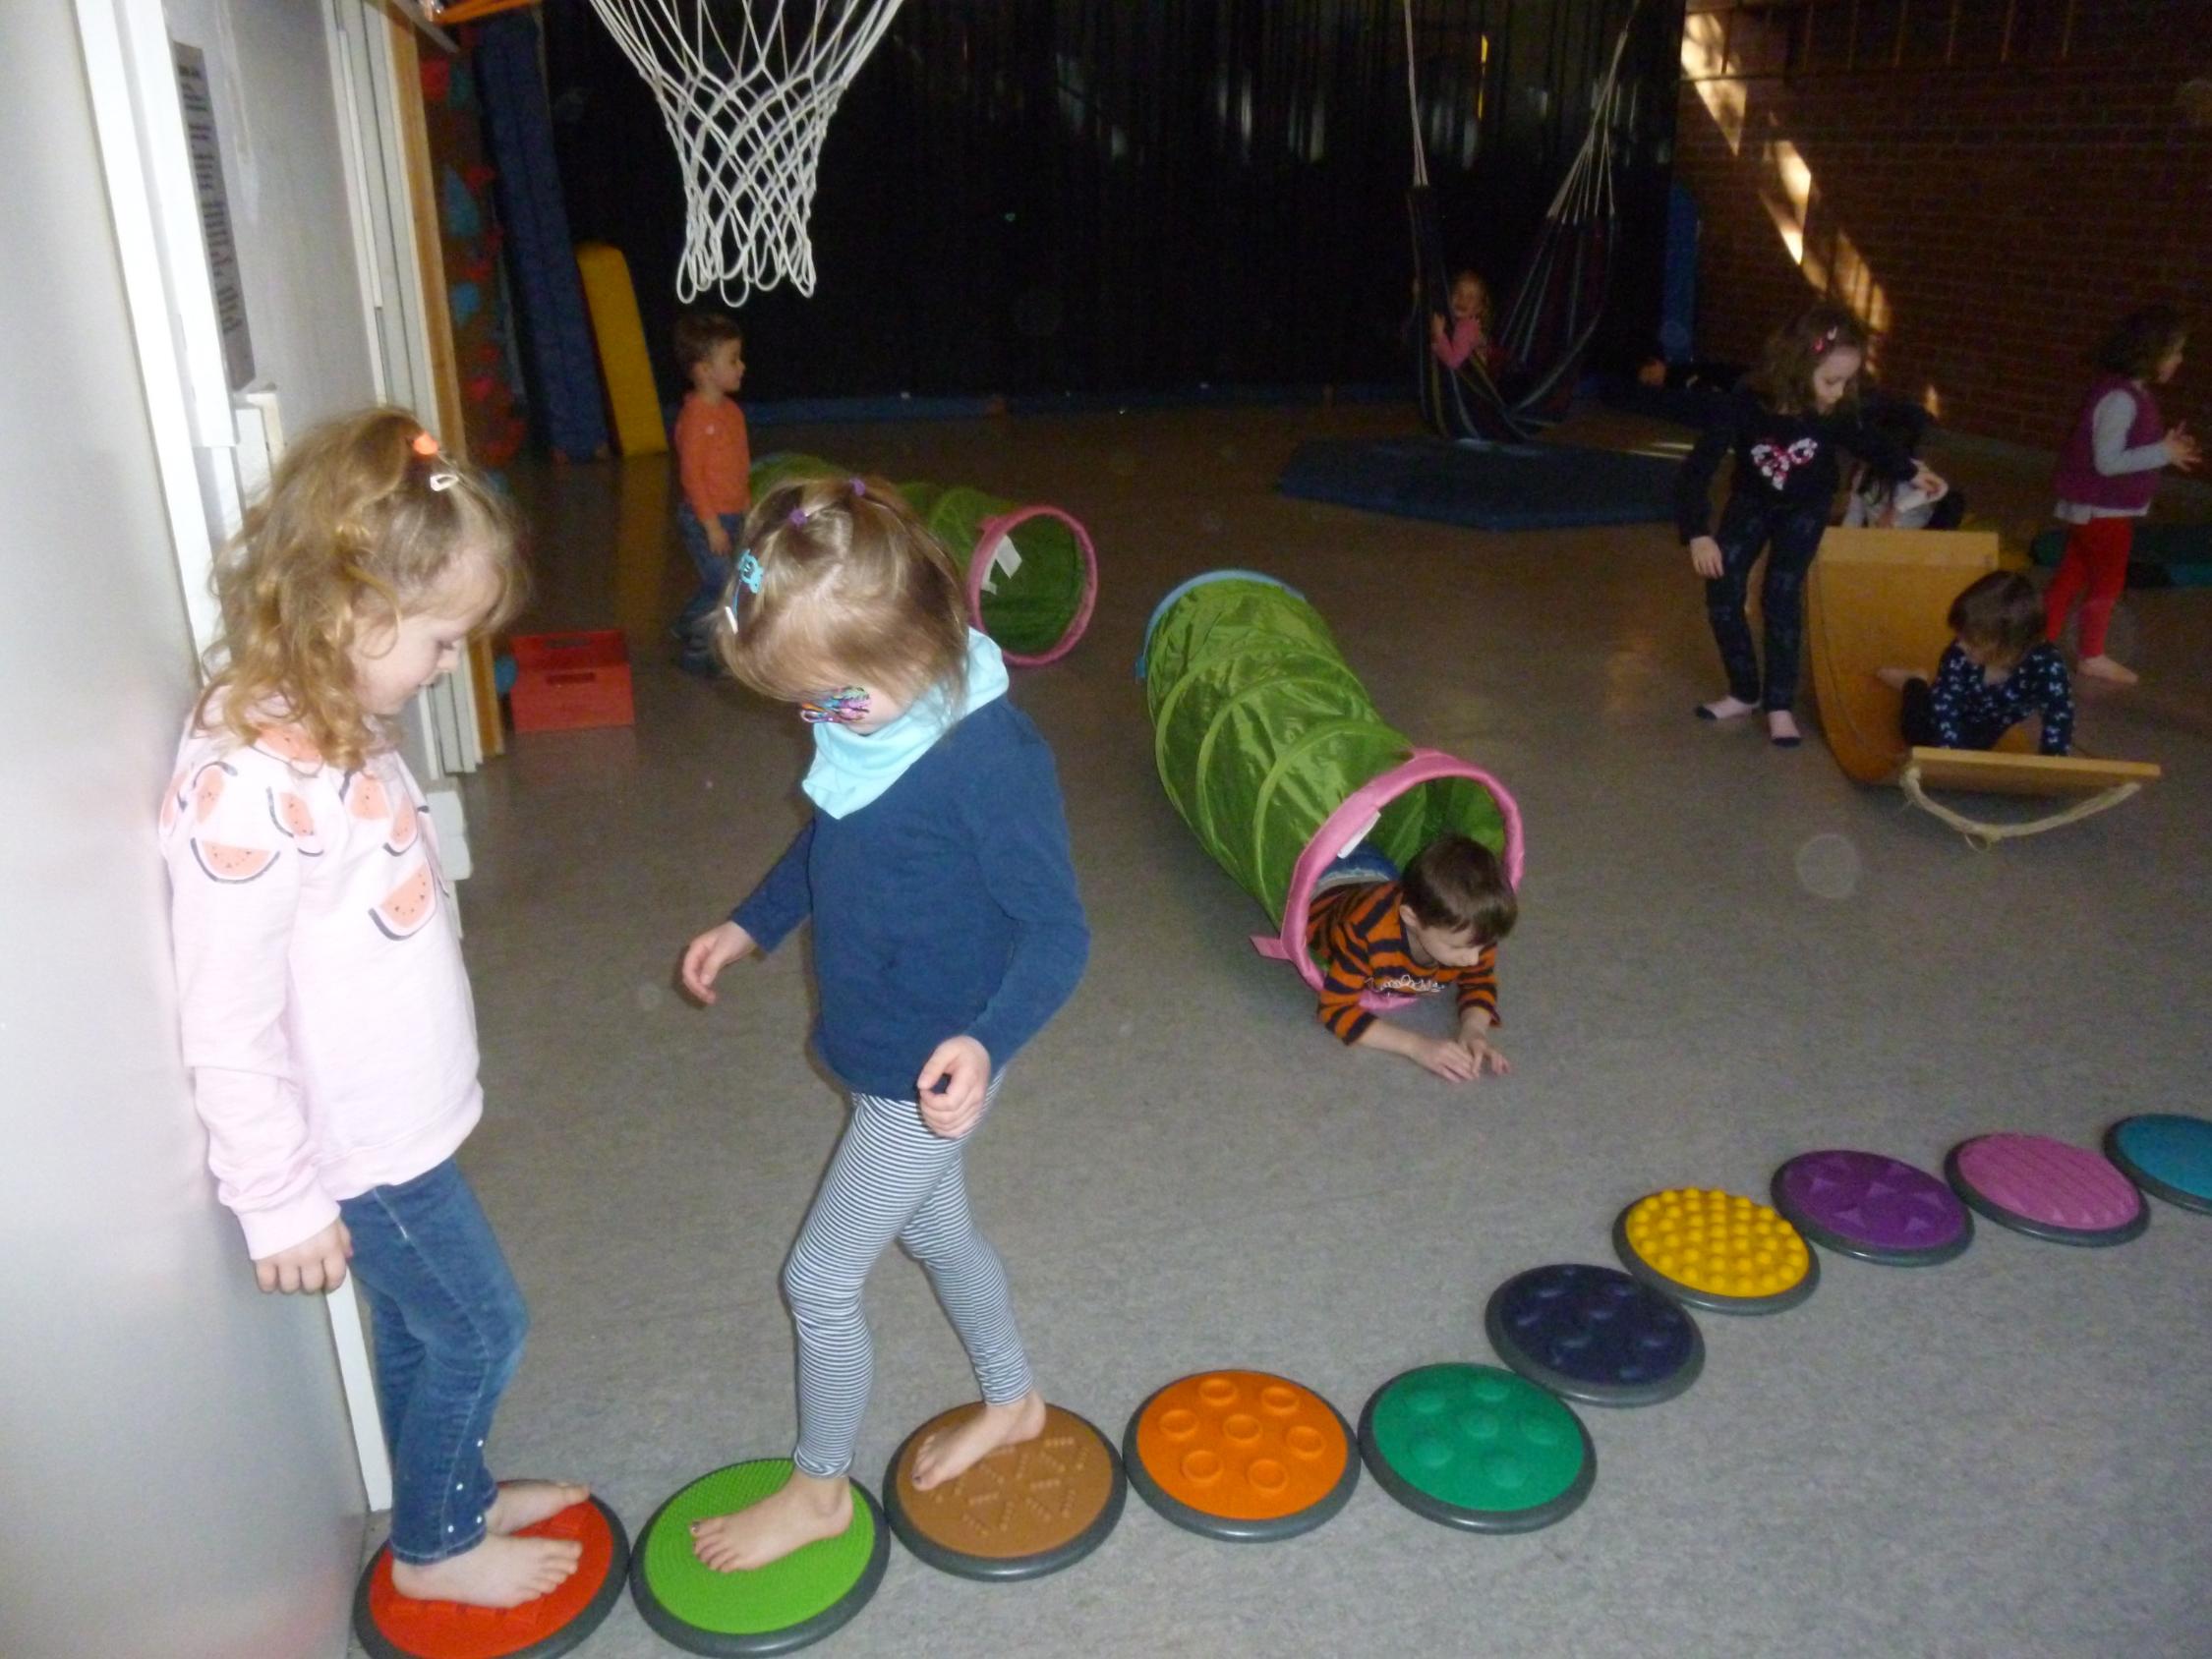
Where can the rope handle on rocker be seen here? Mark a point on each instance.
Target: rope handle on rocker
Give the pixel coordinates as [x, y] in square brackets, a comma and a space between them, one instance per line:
[1358, 809]
[1983, 836]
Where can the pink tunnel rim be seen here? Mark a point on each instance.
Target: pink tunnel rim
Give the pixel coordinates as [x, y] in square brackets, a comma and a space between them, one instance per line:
[1423, 766]
[987, 535]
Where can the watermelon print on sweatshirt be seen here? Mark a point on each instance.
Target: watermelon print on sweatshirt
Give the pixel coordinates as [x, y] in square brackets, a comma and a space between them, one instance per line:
[325, 1005]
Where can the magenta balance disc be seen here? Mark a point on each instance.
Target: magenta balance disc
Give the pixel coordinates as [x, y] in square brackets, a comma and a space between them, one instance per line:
[1877, 1209]
[2047, 1189]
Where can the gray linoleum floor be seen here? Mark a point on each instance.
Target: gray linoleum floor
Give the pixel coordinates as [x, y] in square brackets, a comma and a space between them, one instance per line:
[1727, 955]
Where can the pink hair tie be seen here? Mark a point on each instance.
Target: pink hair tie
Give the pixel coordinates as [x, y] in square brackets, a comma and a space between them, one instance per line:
[858, 487]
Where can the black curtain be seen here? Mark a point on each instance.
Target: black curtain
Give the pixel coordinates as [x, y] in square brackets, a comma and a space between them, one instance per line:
[1038, 196]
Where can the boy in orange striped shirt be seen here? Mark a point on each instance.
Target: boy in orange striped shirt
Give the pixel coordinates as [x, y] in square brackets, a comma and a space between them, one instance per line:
[1435, 929]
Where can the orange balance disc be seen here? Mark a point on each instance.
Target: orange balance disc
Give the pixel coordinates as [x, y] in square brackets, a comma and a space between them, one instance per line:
[1241, 1455]
[1023, 1511]
[392, 1625]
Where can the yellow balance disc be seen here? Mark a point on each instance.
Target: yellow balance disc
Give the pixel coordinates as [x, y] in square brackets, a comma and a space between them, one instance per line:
[1716, 1250]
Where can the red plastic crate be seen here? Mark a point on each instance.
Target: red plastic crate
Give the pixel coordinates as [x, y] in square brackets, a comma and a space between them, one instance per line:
[568, 681]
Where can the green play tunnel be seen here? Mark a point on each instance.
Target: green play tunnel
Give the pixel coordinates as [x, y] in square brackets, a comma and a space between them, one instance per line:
[1032, 574]
[1273, 753]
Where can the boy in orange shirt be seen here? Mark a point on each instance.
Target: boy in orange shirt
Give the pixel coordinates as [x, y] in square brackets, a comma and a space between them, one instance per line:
[714, 464]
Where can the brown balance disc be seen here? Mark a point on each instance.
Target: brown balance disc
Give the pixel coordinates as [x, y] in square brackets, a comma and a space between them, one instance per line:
[1023, 1511]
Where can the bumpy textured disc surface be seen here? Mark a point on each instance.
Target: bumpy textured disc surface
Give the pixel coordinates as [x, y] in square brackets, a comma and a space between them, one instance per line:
[1716, 1251]
[2167, 1154]
[2049, 1189]
[1023, 1511]
[1244, 1456]
[1476, 1446]
[392, 1625]
[774, 1609]
[1594, 1334]
[1877, 1208]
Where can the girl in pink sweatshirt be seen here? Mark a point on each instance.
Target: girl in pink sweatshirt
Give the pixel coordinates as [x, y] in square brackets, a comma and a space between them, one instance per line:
[325, 1011]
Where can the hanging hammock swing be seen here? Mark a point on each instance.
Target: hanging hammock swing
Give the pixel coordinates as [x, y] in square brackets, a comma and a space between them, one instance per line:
[1561, 296]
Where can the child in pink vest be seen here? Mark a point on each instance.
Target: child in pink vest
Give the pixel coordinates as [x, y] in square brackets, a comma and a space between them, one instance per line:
[2108, 473]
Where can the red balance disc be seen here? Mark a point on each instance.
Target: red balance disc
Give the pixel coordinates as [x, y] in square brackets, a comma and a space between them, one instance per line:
[392, 1625]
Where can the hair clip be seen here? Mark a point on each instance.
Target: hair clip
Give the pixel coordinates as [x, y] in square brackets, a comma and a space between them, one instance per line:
[426, 448]
[796, 518]
[859, 489]
[748, 574]
[1822, 342]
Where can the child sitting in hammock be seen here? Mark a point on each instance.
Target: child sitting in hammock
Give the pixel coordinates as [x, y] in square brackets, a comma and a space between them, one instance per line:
[1434, 929]
[1467, 333]
[1999, 670]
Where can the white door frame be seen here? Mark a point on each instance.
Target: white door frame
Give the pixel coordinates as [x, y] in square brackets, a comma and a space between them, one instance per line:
[212, 450]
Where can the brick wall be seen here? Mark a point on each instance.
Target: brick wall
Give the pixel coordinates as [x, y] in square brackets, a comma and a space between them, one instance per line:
[1991, 217]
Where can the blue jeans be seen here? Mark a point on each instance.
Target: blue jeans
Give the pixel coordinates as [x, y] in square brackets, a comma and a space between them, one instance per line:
[448, 1327]
[1747, 525]
[713, 568]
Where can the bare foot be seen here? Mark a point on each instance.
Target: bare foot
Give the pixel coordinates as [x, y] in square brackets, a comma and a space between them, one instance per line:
[1896, 679]
[951, 1452]
[522, 1504]
[2102, 667]
[1725, 709]
[1781, 728]
[804, 1510]
[498, 1573]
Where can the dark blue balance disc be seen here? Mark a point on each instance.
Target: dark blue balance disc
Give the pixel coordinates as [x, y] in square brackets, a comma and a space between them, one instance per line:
[2167, 1154]
[1595, 1336]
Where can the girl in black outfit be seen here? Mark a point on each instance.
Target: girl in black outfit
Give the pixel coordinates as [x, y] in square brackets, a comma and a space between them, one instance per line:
[1785, 425]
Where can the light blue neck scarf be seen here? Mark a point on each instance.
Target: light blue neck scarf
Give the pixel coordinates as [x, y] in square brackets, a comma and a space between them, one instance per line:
[850, 769]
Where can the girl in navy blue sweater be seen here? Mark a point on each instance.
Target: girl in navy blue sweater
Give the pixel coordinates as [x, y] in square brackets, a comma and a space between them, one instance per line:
[1785, 426]
[1997, 671]
[947, 931]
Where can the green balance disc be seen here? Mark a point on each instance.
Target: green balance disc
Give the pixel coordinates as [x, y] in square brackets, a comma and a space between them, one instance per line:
[773, 1608]
[1476, 1447]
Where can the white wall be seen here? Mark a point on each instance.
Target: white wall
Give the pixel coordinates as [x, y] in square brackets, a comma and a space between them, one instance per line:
[269, 65]
[176, 1476]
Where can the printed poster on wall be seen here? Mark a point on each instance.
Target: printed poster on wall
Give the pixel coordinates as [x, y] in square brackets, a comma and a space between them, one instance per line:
[199, 103]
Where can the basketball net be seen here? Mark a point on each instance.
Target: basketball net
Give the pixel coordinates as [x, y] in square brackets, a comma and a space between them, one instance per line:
[748, 113]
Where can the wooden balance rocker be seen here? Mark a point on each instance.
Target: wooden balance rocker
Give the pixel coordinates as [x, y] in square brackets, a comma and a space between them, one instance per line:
[1878, 598]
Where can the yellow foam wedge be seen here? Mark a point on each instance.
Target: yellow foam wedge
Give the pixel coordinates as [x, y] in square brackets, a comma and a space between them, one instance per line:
[632, 399]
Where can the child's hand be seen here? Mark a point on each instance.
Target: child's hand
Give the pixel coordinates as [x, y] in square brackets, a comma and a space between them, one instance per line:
[718, 539]
[1448, 1059]
[2184, 448]
[1437, 329]
[1705, 557]
[954, 1084]
[710, 952]
[313, 1264]
[1485, 1054]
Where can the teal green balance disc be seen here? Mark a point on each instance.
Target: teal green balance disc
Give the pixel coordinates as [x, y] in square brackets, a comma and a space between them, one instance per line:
[2167, 1154]
[1476, 1447]
[773, 1608]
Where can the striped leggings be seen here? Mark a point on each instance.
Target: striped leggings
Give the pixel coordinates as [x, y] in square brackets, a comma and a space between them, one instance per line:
[891, 1177]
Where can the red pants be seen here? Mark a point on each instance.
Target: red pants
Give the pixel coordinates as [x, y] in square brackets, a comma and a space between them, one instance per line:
[2096, 557]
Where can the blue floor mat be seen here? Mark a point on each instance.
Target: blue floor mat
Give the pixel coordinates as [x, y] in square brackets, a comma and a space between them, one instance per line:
[1504, 487]
[2164, 555]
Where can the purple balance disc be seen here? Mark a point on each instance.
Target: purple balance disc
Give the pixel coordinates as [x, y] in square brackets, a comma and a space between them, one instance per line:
[2047, 1189]
[1875, 1208]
